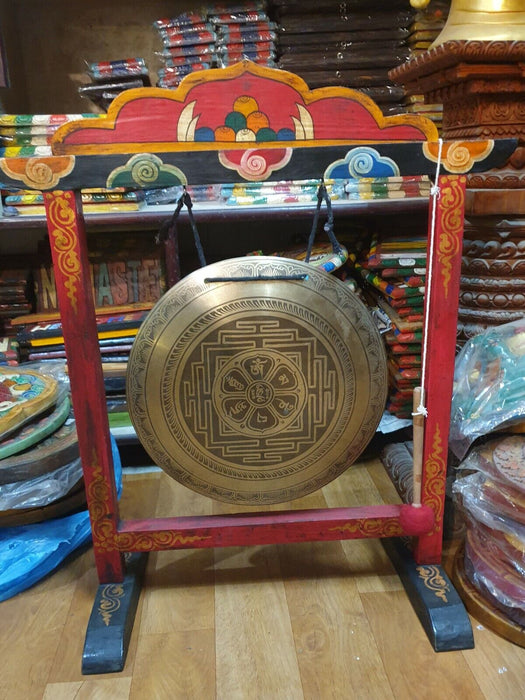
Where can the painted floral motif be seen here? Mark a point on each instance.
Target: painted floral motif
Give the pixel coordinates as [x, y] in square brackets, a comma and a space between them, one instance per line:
[362, 161]
[146, 170]
[38, 173]
[458, 156]
[255, 164]
[241, 104]
[63, 238]
[16, 387]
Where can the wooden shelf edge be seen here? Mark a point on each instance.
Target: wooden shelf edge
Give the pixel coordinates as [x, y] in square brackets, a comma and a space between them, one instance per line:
[215, 213]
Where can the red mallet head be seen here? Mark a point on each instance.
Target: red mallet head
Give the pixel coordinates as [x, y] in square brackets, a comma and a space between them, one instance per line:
[416, 520]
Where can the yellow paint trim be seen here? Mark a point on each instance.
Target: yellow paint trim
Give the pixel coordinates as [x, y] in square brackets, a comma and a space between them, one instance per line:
[210, 146]
[426, 126]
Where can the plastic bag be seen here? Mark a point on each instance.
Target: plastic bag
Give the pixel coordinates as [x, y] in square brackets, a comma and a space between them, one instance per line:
[501, 463]
[494, 548]
[30, 552]
[489, 385]
[42, 490]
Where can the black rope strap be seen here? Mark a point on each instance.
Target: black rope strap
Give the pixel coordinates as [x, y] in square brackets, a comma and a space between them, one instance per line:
[170, 225]
[322, 195]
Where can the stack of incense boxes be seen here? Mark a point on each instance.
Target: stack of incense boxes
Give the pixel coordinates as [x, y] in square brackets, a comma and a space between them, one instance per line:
[188, 45]
[392, 274]
[16, 300]
[244, 32]
[216, 37]
[28, 135]
[110, 78]
[277, 193]
[399, 187]
[94, 201]
[426, 27]
[353, 44]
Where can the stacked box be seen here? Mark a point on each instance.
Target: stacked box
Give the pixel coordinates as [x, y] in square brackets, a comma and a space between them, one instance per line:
[28, 135]
[353, 44]
[94, 201]
[400, 187]
[424, 30]
[110, 78]
[215, 37]
[427, 26]
[16, 299]
[188, 42]
[244, 32]
[393, 274]
[276, 193]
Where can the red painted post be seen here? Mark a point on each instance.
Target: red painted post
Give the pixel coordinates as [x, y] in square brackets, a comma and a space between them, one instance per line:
[67, 237]
[442, 308]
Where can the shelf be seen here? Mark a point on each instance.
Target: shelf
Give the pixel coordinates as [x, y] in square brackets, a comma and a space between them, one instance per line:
[212, 212]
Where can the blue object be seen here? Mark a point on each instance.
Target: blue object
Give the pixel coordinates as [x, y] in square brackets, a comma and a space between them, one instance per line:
[30, 552]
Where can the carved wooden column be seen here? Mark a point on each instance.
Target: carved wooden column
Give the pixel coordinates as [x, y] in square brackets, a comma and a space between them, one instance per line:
[482, 87]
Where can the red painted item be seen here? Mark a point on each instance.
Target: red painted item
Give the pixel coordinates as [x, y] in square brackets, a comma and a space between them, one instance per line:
[357, 118]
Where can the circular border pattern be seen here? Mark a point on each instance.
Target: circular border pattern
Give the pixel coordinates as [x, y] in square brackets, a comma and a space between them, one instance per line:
[199, 303]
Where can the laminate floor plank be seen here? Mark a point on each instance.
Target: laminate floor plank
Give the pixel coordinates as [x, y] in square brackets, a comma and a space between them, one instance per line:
[498, 665]
[140, 492]
[382, 482]
[310, 621]
[415, 671]
[255, 650]
[178, 590]
[30, 629]
[337, 654]
[370, 563]
[94, 689]
[176, 666]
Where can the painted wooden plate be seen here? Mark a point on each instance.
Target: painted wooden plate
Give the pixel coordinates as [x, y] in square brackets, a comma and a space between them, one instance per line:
[36, 431]
[509, 460]
[74, 500]
[481, 608]
[54, 451]
[24, 394]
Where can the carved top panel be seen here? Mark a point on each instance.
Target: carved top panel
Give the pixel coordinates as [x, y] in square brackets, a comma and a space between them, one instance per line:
[451, 53]
[244, 123]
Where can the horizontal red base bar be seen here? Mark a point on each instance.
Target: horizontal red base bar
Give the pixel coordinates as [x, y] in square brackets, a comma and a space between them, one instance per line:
[260, 528]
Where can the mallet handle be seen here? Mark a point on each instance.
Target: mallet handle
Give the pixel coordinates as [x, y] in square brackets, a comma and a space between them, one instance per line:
[418, 423]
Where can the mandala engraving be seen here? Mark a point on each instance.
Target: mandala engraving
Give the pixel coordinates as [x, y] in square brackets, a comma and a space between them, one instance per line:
[255, 392]
[259, 393]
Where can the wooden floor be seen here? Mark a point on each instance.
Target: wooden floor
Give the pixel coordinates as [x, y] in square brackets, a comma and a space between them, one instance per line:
[316, 620]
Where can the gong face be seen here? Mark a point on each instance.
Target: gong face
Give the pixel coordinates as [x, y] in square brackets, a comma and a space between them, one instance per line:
[257, 390]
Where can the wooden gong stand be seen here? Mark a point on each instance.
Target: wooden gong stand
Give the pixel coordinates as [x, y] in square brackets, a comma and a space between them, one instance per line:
[151, 137]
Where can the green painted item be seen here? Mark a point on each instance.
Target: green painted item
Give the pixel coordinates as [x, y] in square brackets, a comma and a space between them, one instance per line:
[33, 433]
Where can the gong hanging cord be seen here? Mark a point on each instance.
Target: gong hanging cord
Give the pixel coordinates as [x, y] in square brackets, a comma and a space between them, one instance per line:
[169, 227]
[322, 195]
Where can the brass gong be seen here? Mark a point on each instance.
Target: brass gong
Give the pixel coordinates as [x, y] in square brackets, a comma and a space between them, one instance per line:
[257, 380]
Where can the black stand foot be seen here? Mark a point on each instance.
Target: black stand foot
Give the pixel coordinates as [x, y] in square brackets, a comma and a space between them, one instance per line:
[433, 597]
[111, 621]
